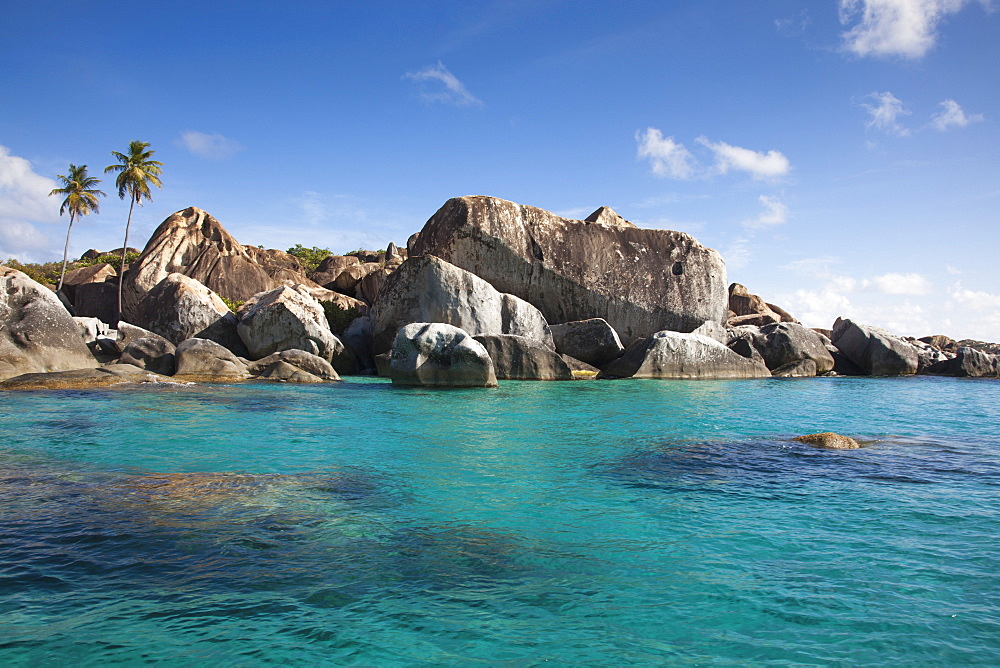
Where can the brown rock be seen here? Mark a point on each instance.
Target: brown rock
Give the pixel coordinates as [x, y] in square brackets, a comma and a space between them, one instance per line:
[829, 440]
[97, 273]
[640, 281]
[79, 379]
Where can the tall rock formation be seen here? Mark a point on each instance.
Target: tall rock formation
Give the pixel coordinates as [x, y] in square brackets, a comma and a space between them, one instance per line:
[641, 281]
[193, 243]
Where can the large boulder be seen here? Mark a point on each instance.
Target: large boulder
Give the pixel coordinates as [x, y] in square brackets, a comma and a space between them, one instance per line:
[676, 355]
[592, 341]
[294, 366]
[428, 289]
[97, 300]
[96, 273]
[874, 350]
[154, 354]
[368, 288]
[348, 279]
[37, 333]
[331, 267]
[201, 357]
[783, 343]
[282, 267]
[439, 355]
[968, 363]
[641, 281]
[519, 358]
[81, 379]
[193, 243]
[179, 308]
[286, 318]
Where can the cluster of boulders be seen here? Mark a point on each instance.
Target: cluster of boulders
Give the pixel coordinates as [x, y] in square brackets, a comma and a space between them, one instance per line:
[488, 290]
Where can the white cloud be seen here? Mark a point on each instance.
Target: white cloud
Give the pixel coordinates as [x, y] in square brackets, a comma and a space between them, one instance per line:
[953, 116]
[775, 213]
[667, 157]
[977, 299]
[759, 165]
[906, 28]
[24, 202]
[212, 146]
[900, 284]
[885, 113]
[454, 93]
[952, 270]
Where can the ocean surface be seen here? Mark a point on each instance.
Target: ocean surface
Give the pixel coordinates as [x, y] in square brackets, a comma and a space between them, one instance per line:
[595, 523]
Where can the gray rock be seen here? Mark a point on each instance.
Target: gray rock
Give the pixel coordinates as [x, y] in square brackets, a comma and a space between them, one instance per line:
[784, 343]
[383, 362]
[800, 368]
[154, 354]
[593, 341]
[640, 281]
[368, 287]
[580, 368]
[126, 333]
[358, 338]
[287, 318]
[967, 363]
[202, 357]
[874, 350]
[179, 308]
[289, 373]
[439, 355]
[91, 329]
[97, 273]
[311, 364]
[428, 289]
[97, 300]
[676, 355]
[520, 358]
[37, 333]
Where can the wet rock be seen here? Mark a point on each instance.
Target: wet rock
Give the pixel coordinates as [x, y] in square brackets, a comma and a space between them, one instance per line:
[428, 289]
[37, 333]
[439, 355]
[79, 379]
[640, 281]
[829, 440]
[287, 318]
[676, 355]
[874, 350]
[311, 364]
[593, 341]
[202, 357]
[520, 358]
[154, 354]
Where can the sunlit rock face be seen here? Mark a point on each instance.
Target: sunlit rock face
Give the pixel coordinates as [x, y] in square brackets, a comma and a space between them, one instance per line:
[641, 281]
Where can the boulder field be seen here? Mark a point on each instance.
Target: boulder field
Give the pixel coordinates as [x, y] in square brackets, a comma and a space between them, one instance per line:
[488, 290]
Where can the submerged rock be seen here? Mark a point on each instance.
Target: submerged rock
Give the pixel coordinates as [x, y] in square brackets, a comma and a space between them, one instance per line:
[829, 440]
[439, 355]
[78, 379]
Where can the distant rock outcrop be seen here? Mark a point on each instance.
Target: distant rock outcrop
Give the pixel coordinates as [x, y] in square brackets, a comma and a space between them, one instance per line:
[37, 333]
[641, 281]
[876, 351]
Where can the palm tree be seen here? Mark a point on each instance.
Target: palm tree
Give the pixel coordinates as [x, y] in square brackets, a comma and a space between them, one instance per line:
[81, 199]
[136, 172]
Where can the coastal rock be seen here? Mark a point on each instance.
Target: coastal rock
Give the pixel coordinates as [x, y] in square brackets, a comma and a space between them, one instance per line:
[97, 300]
[282, 267]
[368, 287]
[784, 343]
[800, 368]
[126, 333]
[519, 358]
[97, 273]
[193, 243]
[287, 318]
[829, 440]
[331, 267]
[91, 329]
[640, 281]
[928, 355]
[874, 350]
[358, 338]
[154, 354]
[941, 342]
[842, 365]
[749, 309]
[428, 289]
[179, 308]
[37, 333]
[300, 359]
[202, 357]
[439, 355]
[676, 355]
[967, 363]
[579, 368]
[347, 281]
[592, 341]
[81, 379]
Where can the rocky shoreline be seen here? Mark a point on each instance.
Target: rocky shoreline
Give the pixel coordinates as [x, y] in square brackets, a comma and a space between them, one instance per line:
[487, 291]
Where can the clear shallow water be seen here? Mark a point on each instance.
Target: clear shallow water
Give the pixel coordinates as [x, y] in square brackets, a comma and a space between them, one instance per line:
[569, 523]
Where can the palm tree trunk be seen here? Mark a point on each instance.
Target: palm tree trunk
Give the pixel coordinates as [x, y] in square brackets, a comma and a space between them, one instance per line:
[121, 269]
[62, 276]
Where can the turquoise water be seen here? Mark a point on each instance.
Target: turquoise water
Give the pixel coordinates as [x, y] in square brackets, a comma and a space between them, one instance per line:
[602, 523]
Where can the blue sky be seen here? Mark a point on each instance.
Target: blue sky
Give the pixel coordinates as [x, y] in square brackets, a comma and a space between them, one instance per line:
[842, 155]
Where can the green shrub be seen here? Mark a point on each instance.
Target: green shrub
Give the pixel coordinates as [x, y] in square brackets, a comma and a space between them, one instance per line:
[233, 304]
[310, 257]
[46, 273]
[115, 260]
[339, 317]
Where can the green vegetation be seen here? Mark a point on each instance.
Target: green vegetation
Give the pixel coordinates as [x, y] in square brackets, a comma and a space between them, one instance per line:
[46, 274]
[108, 258]
[233, 304]
[339, 317]
[81, 199]
[136, 172]
[310, 257]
